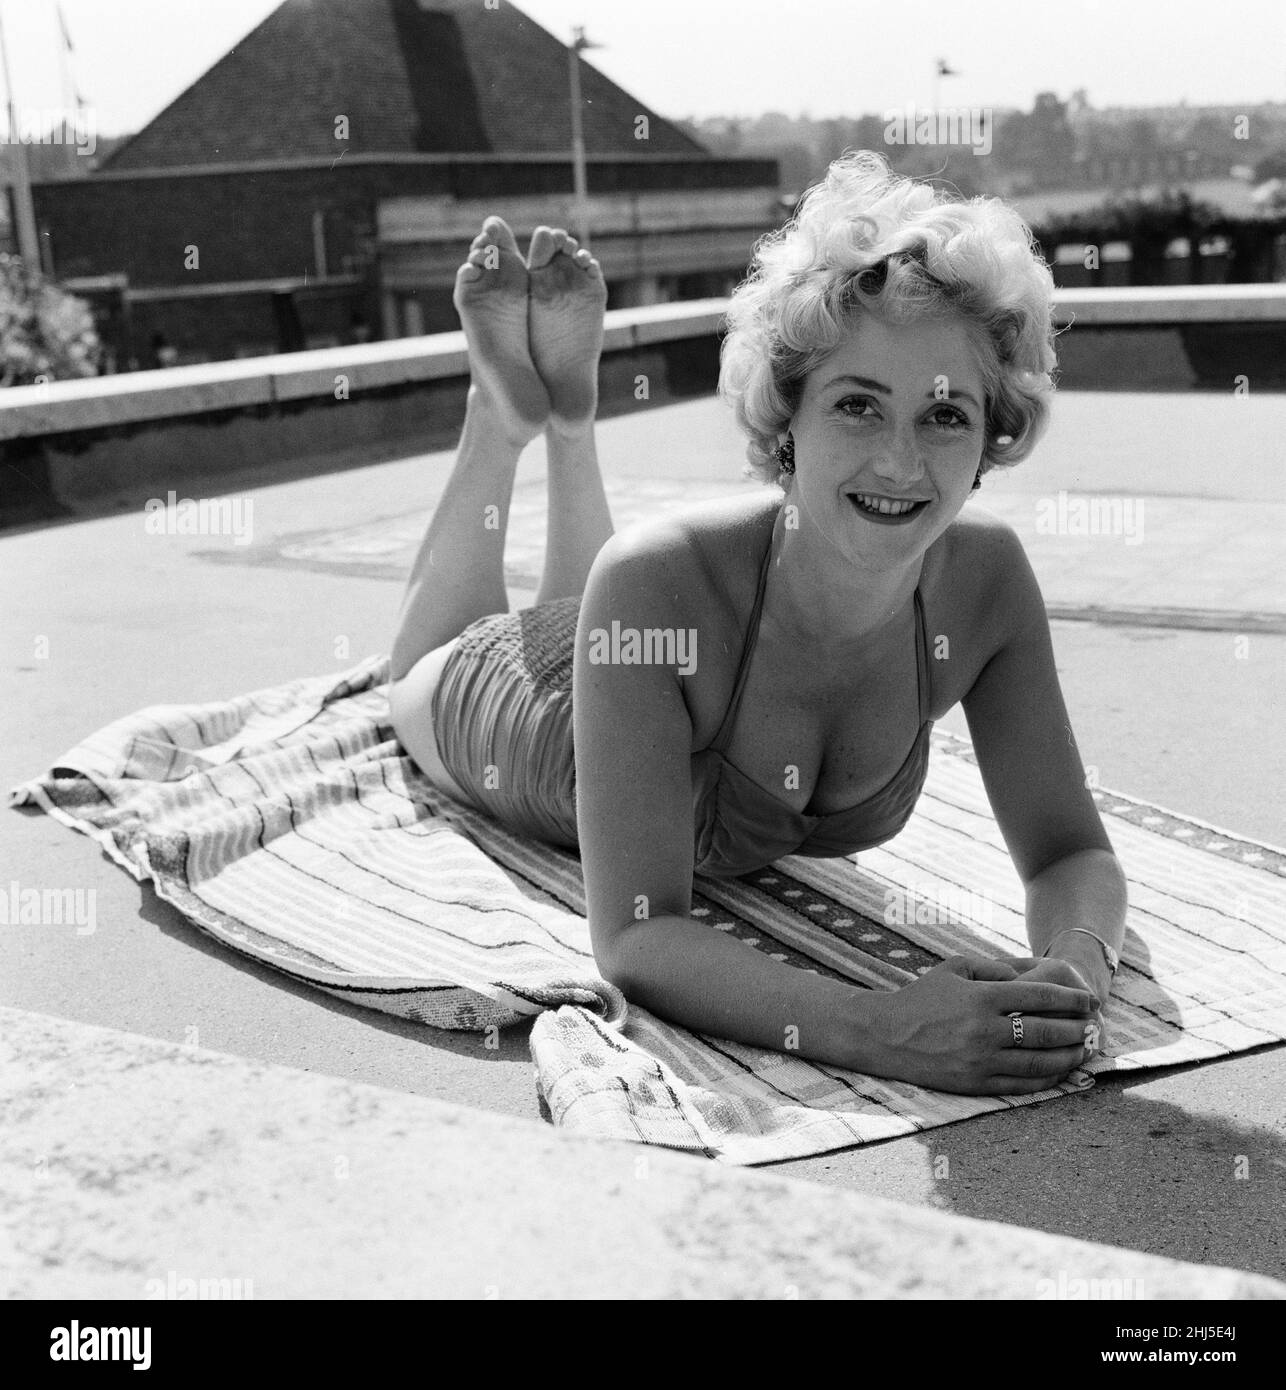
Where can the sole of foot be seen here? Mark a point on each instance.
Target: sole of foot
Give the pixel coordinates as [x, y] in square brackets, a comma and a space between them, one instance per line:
[568, 296]
[491, 297]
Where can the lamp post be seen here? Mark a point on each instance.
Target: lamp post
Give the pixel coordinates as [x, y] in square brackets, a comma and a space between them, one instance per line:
[579, 182]
[941, 69]
[23, 208]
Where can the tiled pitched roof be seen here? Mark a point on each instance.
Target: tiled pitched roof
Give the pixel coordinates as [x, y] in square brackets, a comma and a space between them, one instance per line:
[521, 75]
[277, 94]
[426, 76]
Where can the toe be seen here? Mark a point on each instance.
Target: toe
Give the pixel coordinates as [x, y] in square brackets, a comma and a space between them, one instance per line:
[498, 230]
[475, 263]
[544, 246]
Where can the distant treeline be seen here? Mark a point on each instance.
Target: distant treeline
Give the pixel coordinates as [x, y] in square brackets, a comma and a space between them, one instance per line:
[1057, 144]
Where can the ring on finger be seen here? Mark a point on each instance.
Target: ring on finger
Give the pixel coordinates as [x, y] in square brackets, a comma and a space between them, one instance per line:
[1016, 1022]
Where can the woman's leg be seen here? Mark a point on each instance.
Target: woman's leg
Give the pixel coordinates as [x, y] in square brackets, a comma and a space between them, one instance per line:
[565, 329]
[458, 574]
[535, 333]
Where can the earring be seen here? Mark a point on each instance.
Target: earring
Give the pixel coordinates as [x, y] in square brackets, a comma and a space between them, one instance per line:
[977, 482]
[785, 455]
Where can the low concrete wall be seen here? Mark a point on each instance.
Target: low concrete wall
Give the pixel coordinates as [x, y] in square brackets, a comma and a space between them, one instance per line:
[1183, 337]
[142, 1170]
[69, 445]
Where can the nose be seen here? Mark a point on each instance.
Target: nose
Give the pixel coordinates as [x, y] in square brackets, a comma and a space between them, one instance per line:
[898, 460]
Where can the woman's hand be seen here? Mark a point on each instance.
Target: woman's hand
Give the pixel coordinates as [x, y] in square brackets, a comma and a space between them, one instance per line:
[951, 1029]
[1079, 974]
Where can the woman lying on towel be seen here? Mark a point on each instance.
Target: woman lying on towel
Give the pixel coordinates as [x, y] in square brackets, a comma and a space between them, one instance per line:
[759, 677]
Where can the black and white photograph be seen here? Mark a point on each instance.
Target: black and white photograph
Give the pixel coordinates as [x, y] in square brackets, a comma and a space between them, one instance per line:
[644, 659]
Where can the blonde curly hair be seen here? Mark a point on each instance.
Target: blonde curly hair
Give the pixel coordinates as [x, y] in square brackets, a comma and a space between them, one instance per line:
[865, 240]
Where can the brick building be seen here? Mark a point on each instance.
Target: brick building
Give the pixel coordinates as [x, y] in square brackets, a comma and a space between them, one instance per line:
[321, 182]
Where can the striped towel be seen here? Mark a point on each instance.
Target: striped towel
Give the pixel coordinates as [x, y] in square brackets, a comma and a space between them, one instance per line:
[289, 824]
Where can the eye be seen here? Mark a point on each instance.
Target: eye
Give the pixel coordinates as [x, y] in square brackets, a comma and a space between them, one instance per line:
[949, 417]
[943, 416]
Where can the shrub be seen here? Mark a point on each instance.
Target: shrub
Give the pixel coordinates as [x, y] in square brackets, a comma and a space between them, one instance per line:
[44, 332]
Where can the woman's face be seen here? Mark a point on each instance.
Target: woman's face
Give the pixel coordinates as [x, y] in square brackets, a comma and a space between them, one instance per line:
[895, 413]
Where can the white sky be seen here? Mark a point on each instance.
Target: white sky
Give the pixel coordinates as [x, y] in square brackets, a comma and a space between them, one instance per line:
[739, 57]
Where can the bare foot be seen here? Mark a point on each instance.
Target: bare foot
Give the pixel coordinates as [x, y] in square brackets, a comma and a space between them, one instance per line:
[491, 299]
[565, 324]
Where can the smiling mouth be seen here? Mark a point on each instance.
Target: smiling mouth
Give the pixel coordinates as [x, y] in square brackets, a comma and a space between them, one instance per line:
[890, 508]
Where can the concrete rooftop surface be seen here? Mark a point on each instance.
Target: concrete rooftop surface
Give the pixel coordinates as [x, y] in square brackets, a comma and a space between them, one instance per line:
[1171, 647]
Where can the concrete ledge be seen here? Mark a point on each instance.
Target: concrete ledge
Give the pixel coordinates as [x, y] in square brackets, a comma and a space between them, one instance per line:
[1163, 305]
[368, 367]
[90, 403]
[131, 1165]
[67, 407]
[391, 407]
[663, 323]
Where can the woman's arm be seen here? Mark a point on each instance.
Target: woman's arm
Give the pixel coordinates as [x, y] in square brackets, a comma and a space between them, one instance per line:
[633, 739]
[1035, 779]
[1086, 891]
[696, 976]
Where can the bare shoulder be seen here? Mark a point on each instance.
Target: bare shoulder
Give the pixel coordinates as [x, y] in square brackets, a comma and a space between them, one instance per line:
[979, 537]
[983, 563]
[700, 555]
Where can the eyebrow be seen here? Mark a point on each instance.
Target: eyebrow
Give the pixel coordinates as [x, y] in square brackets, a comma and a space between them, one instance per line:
[887, 390]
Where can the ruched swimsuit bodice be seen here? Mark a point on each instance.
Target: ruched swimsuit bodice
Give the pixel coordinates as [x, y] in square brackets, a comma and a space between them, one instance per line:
[741, 827]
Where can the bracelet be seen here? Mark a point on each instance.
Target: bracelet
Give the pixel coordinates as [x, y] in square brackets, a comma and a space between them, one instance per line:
[1109, 955]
